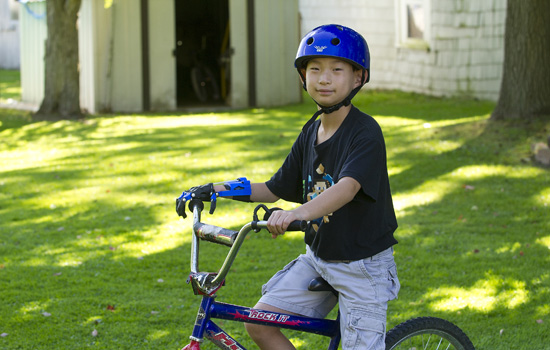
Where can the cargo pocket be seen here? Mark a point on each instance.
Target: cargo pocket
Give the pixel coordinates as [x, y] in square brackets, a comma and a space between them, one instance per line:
[277, 276]
[364, 330]
[394, 284]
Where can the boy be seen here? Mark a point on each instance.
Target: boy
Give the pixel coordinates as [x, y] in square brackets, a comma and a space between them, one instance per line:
[337, 170]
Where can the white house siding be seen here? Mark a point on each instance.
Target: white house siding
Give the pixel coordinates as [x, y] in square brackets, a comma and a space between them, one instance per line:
[239, 60]
[276, 79]
[466, 44]
[161, 60]
[34, 33]
[110, 56]
[88, 68]
[126, 91]
[9, 36]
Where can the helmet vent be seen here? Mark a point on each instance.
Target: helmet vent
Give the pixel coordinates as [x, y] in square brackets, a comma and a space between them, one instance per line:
[310, 41]
[335, 41]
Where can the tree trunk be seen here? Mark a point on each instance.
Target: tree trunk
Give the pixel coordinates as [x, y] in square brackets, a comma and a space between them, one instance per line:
[62, 81]
[525, 88]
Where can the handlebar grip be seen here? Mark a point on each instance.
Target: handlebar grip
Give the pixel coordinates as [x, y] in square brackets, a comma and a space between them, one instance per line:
[298, 225]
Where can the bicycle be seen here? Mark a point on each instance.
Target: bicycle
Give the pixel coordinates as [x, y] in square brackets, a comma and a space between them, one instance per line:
[417, 333]
[203, 80]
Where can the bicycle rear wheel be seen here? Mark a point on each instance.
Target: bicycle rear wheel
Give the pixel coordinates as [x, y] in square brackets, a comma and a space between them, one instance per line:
[427, 333]
[204, 84]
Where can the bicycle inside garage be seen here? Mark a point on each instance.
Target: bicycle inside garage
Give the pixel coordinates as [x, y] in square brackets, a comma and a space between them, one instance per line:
[202, 53]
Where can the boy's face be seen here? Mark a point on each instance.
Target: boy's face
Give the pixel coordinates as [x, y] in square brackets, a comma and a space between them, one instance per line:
[329, 80]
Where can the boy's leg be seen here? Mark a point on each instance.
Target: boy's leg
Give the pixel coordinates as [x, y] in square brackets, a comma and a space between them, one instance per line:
[365, 288]
[287, 292]
[266, 337]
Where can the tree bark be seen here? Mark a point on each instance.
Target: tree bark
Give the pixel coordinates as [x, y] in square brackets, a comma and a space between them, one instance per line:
[525, 88]
[62, 80]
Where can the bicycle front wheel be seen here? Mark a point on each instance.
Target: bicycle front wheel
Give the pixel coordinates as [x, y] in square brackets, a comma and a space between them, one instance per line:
[427, 333]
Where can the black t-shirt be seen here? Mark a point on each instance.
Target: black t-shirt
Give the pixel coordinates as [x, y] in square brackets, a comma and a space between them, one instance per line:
[364, 226]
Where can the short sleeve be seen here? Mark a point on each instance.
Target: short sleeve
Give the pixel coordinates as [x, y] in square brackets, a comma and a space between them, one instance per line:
[286, 183]
[365, 163]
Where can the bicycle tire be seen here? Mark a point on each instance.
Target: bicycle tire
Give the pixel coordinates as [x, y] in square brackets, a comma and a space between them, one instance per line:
[204, 84]
[198, 82]
[427, 333]
[212, 85]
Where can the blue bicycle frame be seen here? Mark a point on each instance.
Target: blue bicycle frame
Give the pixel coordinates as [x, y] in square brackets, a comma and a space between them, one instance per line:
[207, 284]
[209, 309]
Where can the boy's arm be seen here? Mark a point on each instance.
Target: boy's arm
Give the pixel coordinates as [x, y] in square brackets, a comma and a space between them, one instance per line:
[259, 193]
[327, 202]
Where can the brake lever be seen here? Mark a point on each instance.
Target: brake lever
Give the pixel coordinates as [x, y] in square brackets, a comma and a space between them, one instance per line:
[213, 203]
[180, 206]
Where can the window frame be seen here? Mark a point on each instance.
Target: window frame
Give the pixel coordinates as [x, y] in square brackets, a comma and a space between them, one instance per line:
[402, 38]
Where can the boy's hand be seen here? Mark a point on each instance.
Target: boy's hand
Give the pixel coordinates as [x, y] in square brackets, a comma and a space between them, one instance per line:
[202, 192]
[279, 220]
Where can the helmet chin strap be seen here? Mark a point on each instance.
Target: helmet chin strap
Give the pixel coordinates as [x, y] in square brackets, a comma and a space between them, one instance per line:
[331, 109]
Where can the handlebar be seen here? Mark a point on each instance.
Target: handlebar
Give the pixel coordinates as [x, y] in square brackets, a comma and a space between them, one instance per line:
[208, 283]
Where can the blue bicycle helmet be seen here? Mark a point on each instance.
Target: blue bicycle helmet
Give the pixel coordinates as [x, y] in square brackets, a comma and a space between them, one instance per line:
[333, 40]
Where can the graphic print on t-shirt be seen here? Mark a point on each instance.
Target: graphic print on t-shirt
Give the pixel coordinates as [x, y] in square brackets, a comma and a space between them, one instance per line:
[316, 187]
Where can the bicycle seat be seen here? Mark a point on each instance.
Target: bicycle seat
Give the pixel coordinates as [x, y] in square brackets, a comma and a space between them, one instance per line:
[320, 285]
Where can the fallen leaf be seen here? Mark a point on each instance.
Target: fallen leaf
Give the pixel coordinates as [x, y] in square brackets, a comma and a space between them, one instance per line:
[476, 251]
[111, 307]
[94, 333]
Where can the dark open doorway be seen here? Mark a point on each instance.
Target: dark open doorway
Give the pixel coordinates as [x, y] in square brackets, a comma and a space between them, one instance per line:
[202, 52]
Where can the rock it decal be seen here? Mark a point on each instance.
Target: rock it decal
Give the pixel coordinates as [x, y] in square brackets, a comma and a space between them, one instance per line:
[267, 317]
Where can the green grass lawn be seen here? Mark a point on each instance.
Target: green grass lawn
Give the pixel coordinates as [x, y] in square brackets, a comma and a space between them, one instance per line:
[92, 254]
[10, 86]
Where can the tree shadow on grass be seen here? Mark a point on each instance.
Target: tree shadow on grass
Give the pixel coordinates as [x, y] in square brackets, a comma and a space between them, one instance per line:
[475, 254]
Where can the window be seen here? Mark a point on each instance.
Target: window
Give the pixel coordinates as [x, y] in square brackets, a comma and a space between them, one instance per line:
[412, 23]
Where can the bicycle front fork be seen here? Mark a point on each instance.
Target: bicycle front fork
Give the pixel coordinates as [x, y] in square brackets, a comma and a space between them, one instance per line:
[205, 328]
